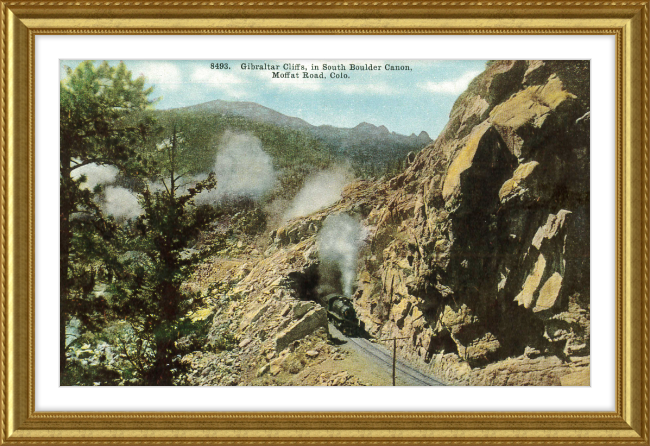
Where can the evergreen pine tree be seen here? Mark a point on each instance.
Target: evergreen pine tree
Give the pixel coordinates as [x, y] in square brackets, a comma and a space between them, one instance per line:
[149, 293]
[95, 104]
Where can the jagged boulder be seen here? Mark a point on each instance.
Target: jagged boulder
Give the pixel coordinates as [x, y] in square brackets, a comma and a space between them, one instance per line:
[308, 324]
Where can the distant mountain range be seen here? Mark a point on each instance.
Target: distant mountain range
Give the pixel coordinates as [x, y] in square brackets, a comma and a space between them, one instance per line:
[296, 147]
[366, 143]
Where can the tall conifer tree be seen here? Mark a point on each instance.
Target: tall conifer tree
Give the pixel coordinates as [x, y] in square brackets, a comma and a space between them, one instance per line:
[96, 102]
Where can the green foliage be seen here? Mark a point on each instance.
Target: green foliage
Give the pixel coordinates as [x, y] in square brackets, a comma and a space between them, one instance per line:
[77, 375]
[149, 292]
[95, 103]
[395, 168]
[193, 334]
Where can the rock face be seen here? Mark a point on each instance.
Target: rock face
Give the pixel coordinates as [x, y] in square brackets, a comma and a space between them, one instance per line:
[478, 252]
[485, 248]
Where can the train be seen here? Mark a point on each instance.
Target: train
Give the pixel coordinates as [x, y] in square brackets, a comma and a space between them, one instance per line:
[340, 311]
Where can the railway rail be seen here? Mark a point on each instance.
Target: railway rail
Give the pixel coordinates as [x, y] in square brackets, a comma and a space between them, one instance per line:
[382, 357]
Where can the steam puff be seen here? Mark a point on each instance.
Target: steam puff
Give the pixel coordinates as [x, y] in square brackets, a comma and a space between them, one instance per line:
[95, 174]
[121, 203]
[319, 191]
[242, 167]
[339, 242]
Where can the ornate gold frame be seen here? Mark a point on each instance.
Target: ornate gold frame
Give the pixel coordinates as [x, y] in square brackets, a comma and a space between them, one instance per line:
[21, 21]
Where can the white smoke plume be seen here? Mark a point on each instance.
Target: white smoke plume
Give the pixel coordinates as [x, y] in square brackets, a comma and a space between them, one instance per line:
[319, 191]
[121, 203]
[339, 242]
[242, 168]
[156, 186]
[95, 174]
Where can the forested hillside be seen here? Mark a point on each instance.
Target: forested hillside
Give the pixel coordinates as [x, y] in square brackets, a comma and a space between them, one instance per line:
[294, 144]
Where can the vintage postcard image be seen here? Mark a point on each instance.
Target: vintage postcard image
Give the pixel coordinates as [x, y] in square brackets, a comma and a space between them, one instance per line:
[324, 222]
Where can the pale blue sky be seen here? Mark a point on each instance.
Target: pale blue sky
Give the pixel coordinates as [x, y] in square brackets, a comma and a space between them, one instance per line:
[404, 101]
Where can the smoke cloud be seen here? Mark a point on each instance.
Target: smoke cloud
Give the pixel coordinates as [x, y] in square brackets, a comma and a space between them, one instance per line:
[121, 203]
[320, 190]
[95, 174]
[242, 168]
[339, 242]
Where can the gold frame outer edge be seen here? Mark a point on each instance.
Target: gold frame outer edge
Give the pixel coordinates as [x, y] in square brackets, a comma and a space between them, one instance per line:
[21, 21]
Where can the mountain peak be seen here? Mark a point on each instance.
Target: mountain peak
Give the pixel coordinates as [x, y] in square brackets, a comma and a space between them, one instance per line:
[365, 126]
[250, 110]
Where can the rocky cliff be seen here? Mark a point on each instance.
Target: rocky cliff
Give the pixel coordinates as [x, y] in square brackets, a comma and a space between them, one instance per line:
[478, 251]
[483, 251]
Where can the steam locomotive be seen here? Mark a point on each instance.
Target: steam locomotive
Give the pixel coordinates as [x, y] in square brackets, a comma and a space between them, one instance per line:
[341, 312]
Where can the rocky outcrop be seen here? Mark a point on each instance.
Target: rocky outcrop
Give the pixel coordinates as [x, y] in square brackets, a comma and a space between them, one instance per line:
[307, 324]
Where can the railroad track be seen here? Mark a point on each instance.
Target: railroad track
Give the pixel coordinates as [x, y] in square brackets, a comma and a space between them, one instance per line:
[387, 359]
[404, 371]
